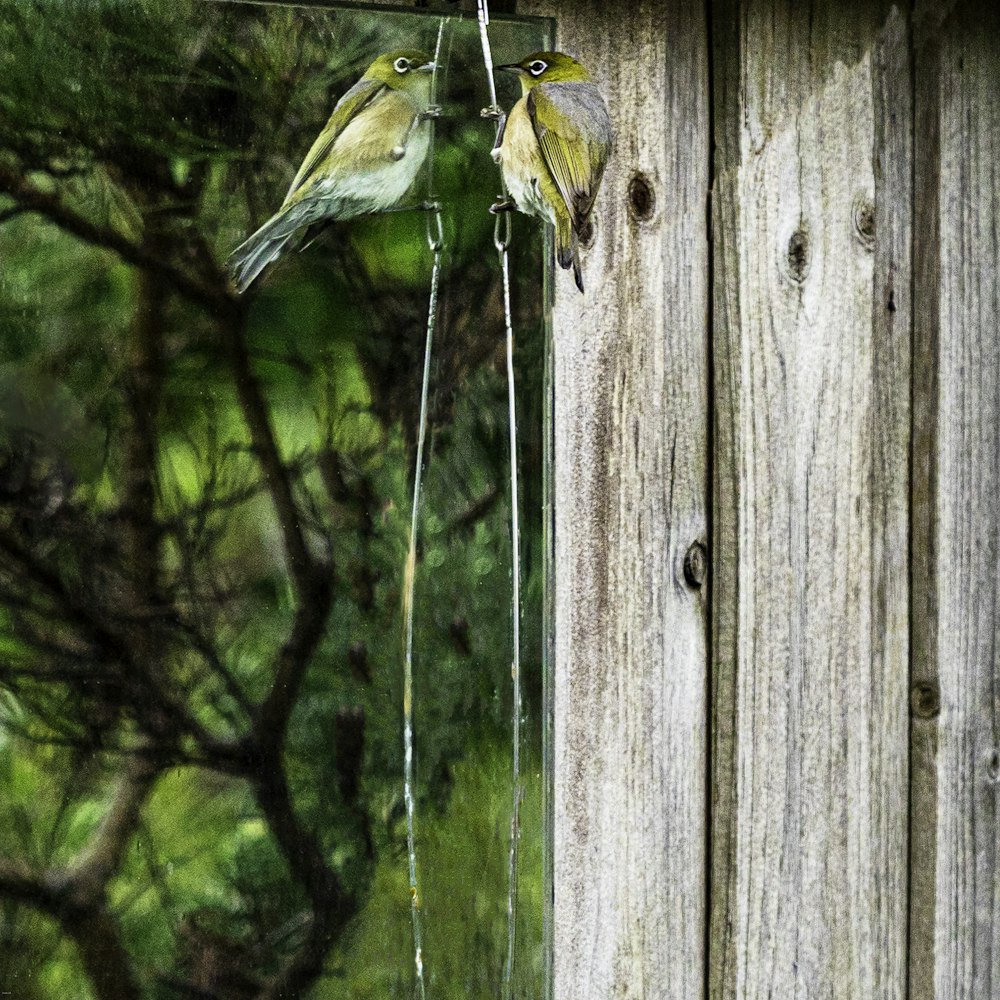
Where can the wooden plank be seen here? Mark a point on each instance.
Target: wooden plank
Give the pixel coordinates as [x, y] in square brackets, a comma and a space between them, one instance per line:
[811, 247]
[631, 428]
[925, 691]
[957, 563]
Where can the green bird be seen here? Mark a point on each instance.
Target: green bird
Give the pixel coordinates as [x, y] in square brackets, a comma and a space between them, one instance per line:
[364, 161]
[553, 147]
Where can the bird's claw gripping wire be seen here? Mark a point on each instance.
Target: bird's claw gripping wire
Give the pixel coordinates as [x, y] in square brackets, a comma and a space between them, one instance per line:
[435, 227]
[504, 204]
[431, 113]
[502, 232]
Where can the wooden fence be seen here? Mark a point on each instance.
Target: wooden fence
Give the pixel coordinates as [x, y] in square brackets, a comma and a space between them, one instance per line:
[777, 505]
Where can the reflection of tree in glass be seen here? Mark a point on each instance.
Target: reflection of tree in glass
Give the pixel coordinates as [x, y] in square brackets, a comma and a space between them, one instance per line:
[202, 524]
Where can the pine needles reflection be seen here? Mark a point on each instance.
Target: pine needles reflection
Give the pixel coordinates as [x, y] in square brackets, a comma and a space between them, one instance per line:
[204, 510]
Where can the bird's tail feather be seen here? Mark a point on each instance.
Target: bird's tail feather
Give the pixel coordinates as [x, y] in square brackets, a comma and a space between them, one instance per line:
[247, 266]
[278, 234]
[577, 271]
[568, 249]
[312, 234]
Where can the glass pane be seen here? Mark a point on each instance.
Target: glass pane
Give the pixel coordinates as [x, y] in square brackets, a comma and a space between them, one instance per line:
[204, 520]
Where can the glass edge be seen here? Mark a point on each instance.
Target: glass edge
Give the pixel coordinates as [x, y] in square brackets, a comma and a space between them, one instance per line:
[432, 10]
[548, 616]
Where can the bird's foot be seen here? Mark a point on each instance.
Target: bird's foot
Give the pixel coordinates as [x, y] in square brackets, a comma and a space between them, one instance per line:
[494, 113]
[430, 113]
[503, 205]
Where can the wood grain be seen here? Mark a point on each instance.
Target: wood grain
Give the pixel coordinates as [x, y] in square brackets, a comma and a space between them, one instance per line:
[811, 244]
[631, 427]
[925, 689]
[957, 338]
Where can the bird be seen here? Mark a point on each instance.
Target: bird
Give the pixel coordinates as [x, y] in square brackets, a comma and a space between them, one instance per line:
[364, 161]
[553, 147]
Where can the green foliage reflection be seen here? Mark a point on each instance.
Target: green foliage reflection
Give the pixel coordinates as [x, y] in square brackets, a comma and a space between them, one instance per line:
[203, 516]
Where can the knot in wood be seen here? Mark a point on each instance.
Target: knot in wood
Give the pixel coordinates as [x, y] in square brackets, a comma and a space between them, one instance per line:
[695, 565]
[641, 199]
[925, 700]
[798, 255]
[993, 766]
[864, 221]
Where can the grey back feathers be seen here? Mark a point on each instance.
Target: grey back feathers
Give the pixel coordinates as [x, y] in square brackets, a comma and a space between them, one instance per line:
[583, 104]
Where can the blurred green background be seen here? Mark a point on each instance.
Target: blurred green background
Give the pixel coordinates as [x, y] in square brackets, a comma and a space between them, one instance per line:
[204, 506]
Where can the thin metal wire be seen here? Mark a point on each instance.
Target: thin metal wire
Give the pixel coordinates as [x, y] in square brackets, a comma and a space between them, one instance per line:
[501, 240]
[435, 240]
[483, 15]
[502, 224]
[435, 236]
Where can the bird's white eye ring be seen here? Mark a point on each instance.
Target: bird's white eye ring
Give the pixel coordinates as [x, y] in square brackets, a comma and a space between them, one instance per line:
[538, 67]
[401, 64]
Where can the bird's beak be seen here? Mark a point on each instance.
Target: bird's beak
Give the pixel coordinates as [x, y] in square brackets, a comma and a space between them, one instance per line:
[427, 67]
[509, 68]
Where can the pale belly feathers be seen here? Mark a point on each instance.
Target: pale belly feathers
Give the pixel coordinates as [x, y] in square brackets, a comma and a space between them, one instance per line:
[381, 159]
[521, 161]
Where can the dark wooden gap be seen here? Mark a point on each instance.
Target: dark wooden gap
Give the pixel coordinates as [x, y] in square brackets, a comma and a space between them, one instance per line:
[711, 170]
[922, 828]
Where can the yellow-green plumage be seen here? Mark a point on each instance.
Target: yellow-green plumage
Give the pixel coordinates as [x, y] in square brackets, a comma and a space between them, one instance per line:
[554, 146]
[364, 161]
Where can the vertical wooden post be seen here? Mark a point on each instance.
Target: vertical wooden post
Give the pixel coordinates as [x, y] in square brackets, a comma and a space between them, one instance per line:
[955, 923]
[631, 426]
[812, 344]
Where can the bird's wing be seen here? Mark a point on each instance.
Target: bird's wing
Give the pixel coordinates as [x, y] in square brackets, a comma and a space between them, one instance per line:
[348, 107]
[574, 135]
[378, 135]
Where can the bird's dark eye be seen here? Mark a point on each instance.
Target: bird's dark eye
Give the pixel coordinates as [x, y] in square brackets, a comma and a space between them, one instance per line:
[402, 65]
[538, 67]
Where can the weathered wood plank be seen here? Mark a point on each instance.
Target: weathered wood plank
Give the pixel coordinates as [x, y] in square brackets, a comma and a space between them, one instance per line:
[811, 244]
[925, 692]
[631, 426]
[957, 566]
